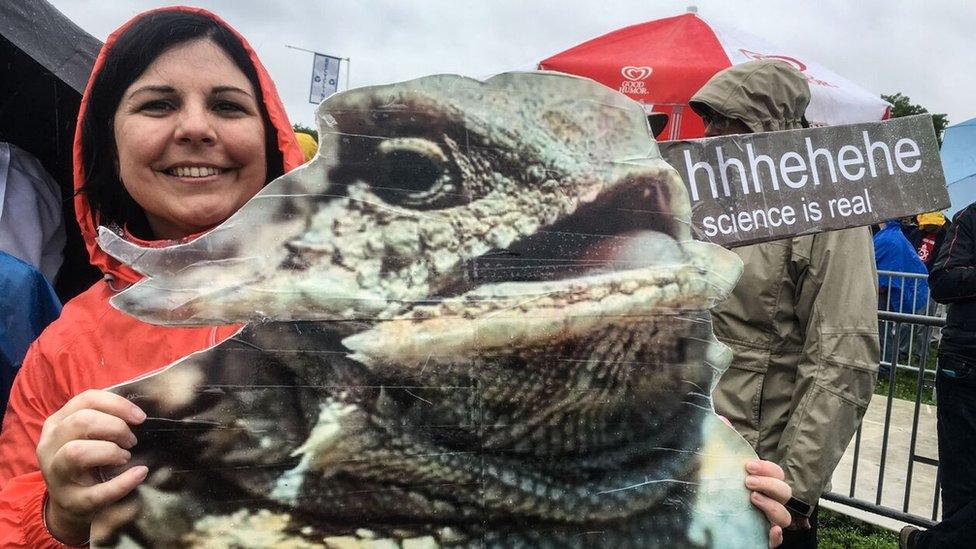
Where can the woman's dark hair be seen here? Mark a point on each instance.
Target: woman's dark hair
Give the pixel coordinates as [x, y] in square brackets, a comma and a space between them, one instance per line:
[134, 50]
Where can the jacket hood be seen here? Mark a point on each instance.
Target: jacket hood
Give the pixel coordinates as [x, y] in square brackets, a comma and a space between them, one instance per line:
[766, 95]
[291, 154]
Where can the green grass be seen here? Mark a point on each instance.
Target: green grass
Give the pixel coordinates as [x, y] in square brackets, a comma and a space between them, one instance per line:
[843, 532]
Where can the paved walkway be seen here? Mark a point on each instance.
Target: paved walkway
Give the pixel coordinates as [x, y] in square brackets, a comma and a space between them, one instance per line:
[896, 462]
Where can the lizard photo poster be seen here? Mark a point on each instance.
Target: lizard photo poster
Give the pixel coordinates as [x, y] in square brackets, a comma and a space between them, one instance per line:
[477, 318]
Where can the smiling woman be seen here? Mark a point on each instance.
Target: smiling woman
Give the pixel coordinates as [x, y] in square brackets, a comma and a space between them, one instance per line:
[180, 126]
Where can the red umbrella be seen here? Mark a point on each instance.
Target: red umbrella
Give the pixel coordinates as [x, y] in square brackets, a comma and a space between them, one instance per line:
[663, 63]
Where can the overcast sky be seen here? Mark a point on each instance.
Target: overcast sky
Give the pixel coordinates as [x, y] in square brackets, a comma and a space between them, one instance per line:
[926, 50]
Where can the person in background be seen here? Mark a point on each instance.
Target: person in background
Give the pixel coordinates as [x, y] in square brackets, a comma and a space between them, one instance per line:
[953, 282]
[900, 294]
[308, 145]
[928, 236]
[801, 322]
[31, 226]
[31, 251]
[27, 305]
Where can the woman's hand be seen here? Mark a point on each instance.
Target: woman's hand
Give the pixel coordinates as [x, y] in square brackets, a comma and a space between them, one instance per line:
[769, 493]
[90, 431]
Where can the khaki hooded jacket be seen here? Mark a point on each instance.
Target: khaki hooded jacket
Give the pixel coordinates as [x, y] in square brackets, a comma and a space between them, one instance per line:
[802, 321]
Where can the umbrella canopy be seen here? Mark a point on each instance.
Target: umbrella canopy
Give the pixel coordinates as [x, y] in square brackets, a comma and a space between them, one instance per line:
[959, 164]
[662, 63]
[45, 60]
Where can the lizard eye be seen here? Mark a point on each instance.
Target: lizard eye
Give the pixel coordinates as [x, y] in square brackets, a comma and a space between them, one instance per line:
[414, 172]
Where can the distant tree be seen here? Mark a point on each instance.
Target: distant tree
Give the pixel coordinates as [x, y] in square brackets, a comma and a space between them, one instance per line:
[301, 128]
[901, 105]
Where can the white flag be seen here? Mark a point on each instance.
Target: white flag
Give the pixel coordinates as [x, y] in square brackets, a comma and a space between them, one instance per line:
[325, 77]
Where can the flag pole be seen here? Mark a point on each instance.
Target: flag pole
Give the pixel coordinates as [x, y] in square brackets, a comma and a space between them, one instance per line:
[299, 49]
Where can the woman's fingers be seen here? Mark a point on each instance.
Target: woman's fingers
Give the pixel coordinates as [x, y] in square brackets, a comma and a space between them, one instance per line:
[84, 501]
[775, 537]
[90, 424]
[770, 486]
[76, 458]
[103, 401]
[763, 468]
[109, 492]
[775, 512]
[769, 493]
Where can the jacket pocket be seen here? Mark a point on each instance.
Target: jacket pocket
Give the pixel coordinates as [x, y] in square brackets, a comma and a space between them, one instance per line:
[738, 397]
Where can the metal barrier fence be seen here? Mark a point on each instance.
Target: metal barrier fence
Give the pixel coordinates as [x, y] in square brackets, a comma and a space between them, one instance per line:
[907, 327]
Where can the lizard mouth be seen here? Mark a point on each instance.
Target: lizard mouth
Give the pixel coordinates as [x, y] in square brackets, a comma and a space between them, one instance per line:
[622, 256]
[631, 228]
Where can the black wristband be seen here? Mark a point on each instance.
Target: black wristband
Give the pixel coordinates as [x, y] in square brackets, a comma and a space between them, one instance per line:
[799, 507]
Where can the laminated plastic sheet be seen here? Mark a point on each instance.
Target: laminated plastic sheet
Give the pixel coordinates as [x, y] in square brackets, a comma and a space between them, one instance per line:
[476, 318]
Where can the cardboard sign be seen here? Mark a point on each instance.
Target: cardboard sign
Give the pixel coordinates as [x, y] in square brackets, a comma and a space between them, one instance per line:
[477, 318]
[757, 187]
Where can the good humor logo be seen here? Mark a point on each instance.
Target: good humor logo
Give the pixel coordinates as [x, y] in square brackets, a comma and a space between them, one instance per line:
[634, 79]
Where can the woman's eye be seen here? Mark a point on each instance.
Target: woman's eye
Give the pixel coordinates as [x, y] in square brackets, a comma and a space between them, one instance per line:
[157, 106]
[229, 107]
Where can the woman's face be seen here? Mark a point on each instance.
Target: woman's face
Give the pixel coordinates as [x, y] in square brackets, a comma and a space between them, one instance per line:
[190, 140]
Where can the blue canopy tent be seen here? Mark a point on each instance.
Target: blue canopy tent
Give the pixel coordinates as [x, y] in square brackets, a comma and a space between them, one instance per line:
[959, 163]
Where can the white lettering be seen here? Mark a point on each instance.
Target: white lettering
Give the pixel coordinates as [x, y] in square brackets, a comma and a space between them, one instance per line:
[691, 176]
[720, 228]
[745, 222]
[789, 215]
[754, 162]
[710, 228]
[812, 156]
[870, 147]
[786, 170]
[843, 162]
[913, 152]
[723, 167]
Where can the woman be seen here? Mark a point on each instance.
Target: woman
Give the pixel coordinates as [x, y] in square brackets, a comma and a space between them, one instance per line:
[179, 127]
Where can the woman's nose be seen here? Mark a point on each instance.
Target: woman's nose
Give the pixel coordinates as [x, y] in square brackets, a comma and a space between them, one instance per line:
[195, 126]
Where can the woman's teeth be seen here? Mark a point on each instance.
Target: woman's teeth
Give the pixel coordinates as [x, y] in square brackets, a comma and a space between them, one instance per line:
[193, 171]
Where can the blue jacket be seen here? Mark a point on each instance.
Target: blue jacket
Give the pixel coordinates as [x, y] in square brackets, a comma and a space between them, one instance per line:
[893, 252]
[27, 305]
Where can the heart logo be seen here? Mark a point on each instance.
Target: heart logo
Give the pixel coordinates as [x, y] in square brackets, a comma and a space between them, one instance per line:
[797, 64]
[636, 73]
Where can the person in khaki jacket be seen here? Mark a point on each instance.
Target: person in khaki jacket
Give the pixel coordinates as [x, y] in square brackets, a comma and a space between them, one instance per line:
[802, 321]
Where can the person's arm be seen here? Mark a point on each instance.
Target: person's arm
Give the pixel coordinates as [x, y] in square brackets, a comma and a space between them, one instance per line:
[49, 452]
[953, 277]
[33, 397]
[835, 305]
